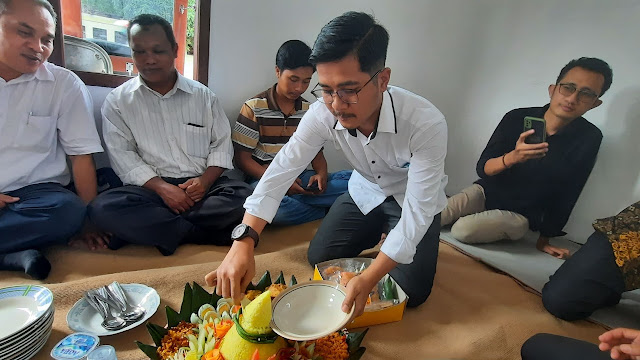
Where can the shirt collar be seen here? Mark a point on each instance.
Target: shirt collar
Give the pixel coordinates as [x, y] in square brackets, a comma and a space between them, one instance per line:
[42, 74]
[387, 121]
[273, 104]
[181, 83]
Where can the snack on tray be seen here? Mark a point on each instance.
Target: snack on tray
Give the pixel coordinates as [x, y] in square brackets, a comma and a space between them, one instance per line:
[341, 271]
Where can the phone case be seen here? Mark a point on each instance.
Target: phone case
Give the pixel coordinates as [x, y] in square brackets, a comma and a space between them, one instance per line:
[540, 127]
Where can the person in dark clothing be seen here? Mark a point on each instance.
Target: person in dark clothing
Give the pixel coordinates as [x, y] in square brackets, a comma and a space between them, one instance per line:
[599, 273]
[535, 186]
[616, 344]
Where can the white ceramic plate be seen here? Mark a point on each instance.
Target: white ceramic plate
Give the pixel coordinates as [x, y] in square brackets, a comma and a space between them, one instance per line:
[20, 306]
[28, 342]
[83, 318]
[31, 351]
[310, 310]
[27, 332]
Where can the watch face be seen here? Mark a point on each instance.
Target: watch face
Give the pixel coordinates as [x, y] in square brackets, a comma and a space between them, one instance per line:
[238, 231]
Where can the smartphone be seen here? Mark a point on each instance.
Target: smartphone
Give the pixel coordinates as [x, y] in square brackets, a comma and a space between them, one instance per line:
[313, 187]
[540, 127]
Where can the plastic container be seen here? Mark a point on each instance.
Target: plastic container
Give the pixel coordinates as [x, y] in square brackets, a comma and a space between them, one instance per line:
[103, 352]
[75, 346]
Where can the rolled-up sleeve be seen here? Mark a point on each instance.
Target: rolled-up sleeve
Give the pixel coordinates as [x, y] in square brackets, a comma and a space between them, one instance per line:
[122, 147]
[291, 160]
[423, 198]
[220, 147]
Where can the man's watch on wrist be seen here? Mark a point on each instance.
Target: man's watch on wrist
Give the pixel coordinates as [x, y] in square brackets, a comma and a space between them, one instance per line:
[243, 230]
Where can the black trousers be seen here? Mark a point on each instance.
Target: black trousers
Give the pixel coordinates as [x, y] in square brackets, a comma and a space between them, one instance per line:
[137, 215]
[554, 347]
[346, 232]
[586, 282]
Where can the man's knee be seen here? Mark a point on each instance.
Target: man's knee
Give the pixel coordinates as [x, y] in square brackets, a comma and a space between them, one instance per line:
[97, 209]
[419, 296]
[533, 345]
[557, 299]
[67, 216]
[317, 254]
[465, 230]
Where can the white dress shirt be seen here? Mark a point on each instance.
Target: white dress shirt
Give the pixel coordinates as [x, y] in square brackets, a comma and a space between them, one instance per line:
[177, 135]
[44, 116]
[403, 158]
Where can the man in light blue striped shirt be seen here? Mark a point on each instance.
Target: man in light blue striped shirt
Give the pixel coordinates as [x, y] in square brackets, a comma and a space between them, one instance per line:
[169, 141]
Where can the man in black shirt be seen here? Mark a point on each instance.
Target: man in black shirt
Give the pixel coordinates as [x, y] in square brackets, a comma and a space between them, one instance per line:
[535, 186]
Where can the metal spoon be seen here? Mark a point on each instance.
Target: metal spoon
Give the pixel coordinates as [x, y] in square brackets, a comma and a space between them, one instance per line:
[110, 321]
[130, 312]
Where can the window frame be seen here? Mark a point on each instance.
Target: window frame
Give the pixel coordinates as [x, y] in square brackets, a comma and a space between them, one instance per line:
[200, 49]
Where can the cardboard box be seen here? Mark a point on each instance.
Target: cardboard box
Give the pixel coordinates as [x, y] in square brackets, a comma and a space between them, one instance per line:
[373, 317]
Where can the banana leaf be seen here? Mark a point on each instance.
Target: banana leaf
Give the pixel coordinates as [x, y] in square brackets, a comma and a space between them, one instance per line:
[354, 339]
[265, 281]
[186, 309]
[157, 332]
[280, 279]
[173, 318]
[356, 355]
[199, 297]
[150, 351]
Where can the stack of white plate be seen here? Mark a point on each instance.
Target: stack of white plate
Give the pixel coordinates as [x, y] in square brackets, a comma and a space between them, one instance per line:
[26, 318]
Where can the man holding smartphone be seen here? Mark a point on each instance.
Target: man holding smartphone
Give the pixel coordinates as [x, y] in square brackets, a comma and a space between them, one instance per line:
[535, 186]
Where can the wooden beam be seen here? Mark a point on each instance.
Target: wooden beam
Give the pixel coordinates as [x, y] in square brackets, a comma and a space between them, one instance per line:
[201, 41]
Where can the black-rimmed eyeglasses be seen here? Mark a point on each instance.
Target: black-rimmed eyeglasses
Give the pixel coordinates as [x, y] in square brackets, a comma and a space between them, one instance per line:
[584, 96]
[349, 96]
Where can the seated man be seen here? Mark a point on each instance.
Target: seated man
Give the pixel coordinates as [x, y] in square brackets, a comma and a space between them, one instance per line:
[169, 141]
[535, 186]
[618, 343]
[45, 115]
[597, 274]
[397, 143]
[267, 121]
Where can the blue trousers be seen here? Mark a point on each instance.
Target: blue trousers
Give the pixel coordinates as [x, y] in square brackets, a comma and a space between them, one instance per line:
[47, 214]
[300, 209]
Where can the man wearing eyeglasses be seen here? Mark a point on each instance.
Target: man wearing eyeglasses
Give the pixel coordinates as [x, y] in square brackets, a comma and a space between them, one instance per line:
[535, 186]
[396, 142]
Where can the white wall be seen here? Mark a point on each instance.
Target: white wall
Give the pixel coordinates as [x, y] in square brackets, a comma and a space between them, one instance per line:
[246, 35]
[475, 60]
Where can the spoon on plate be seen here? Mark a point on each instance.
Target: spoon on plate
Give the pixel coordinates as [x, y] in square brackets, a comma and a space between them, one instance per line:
[130, 312]
[110, 321]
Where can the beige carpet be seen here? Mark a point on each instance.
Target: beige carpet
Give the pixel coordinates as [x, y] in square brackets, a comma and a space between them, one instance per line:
[473, 312]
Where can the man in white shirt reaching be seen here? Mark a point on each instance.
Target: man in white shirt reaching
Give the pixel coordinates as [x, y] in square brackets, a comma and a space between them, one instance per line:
[169, 141]
[396, 142]
[45, 114]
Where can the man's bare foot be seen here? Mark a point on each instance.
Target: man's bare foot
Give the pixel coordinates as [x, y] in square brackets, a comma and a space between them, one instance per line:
[91, 240]
[555, 251]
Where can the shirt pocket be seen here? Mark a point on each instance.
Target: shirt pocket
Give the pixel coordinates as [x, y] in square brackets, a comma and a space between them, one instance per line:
[37, 134]
[197, 140]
